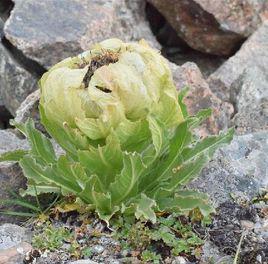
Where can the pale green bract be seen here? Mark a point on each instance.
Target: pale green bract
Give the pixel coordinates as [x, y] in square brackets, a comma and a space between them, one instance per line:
[126, 133]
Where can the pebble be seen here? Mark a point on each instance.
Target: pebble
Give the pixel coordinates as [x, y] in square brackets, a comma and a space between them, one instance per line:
[98, 249]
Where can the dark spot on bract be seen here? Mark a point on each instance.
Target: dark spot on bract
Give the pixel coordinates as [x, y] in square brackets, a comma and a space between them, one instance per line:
[98, 61]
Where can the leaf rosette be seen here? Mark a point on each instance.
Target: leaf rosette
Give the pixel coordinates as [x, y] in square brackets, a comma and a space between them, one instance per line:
[126, 132]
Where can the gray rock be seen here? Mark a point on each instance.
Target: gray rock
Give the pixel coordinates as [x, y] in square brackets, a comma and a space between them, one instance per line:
[11, 177]
[14, 243]
[1, 28]
[179, 260]
[98, 249]
[253, 53]
[15, 82]
[211, 254]
[201, 97]
[249, 94]
[239, 168]
[29, 109]
[49, 31]
[12, 235]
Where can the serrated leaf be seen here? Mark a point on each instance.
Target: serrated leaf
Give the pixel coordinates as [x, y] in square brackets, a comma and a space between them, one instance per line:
[126, 183]
[181, 95]
[36, 189]
[163, 169]
[145, 208]
[41, 146]
[106, 161]
[200, 117]
[133, 135]
[208, 145]
[15, 155]
[186, 172]
[184, 202]
[59, 134]
[50, 175]
[72, 171]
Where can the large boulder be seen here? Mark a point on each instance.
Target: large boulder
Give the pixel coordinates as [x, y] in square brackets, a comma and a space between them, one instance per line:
[15, 82]
[249, 94]
[201, 97]
[253, 53]
[239, 169]
[49, 31]
[215, 27]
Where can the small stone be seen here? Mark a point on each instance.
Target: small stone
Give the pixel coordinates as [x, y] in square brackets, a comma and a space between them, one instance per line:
[98, 249]
[247, 224]
[179, 260]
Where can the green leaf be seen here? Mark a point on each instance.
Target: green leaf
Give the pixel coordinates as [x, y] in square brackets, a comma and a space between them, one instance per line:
[182, 94]
[50, 175]
[133, 135]
[186, 172]
[36, 189]
[58, 132]
[200, 117]
[41, 146]
[126, 183]
[23, 214]
[106, 161]
[163, 168]
[72, 171]
[208, 145]
[15, 155]
[145, 208]
[185, 201]
[20, 202]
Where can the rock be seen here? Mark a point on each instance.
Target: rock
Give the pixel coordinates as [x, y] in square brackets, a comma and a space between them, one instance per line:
[253, 53]
[14, 243]
[212, 27]
[15, 82]
[15, 255]
[49, 31]
[11, 177]
[179, 260]
[12, 235]
[29, 109]
[211, 254]
[1, 28]
[200, 97]
[239, 168]
[98, 249]
[249, 94]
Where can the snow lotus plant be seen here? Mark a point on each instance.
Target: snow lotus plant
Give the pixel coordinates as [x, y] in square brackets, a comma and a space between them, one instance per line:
[129, 147]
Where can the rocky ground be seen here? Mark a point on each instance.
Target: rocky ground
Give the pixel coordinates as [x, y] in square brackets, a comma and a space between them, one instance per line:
[217, 48]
